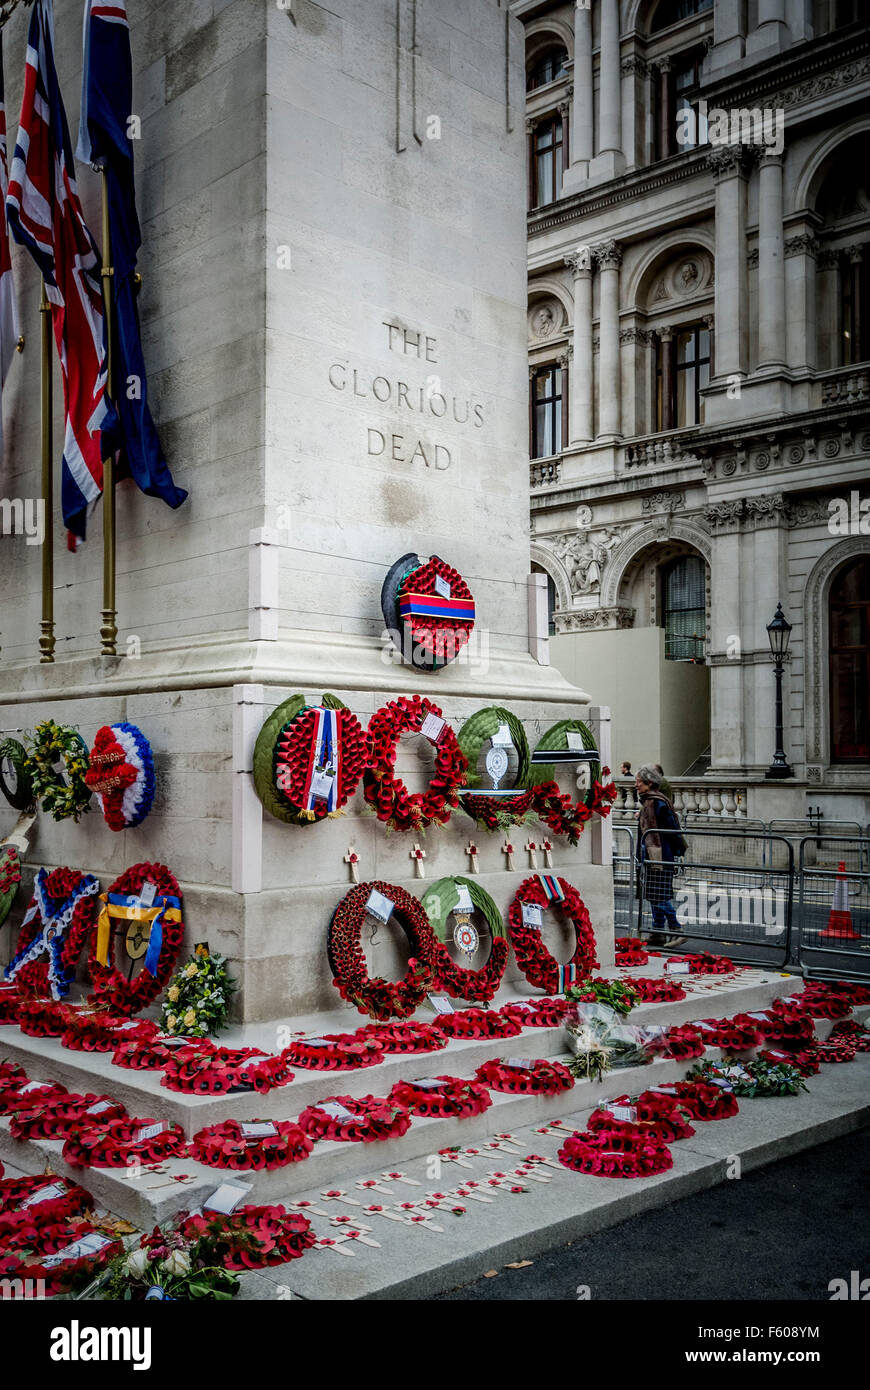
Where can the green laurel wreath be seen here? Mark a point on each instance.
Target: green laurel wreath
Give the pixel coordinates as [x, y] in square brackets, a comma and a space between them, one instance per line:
[50, 744]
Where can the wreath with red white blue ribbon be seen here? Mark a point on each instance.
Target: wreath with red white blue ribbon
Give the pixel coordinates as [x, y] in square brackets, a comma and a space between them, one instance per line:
[121, 774]
[55, 925]
[535, 961]
[428, 610]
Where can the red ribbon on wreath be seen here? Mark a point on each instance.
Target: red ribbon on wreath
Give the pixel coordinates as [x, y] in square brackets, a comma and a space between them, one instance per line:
[439, 624]
[535, 961]
[279, 1235]
[226, 1146]
[455, 1098]
[386, 793]
[369, 1120]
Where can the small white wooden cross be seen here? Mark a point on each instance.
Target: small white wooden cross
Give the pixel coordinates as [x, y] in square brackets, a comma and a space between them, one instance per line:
[547, 847]
[418, 855]
[352, 860]
[471, 851]
[336, 1243]
[507, 850]
[533, 853]
[376, 1210]
[335, 1194]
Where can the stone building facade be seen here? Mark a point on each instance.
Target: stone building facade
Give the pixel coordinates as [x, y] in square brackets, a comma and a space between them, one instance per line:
[699, 357]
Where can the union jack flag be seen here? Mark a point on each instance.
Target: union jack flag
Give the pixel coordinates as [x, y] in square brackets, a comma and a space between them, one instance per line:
[45, 216]
[8, 312]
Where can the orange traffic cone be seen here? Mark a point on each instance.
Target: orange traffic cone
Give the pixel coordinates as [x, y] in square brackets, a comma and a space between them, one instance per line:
[840, 916]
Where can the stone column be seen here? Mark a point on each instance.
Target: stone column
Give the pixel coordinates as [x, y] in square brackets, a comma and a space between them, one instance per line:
[666, 339]
[771, 32]
[635, 75]
[728, 35]
[800, 301]
[828, 287]
[729, 165]
[727, 578]
[771, 265]
[632, 353]
[609, 258]
[565, 112]
[610, 159]
[665, 112]
[580, 414]
[582, 128]
[856, 257]
[763, 556]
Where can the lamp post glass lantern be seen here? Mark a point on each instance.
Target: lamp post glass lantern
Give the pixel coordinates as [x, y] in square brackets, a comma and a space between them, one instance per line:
[778, 633]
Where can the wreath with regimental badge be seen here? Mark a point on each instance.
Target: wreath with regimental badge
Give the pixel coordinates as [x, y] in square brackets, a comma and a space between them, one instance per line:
[428, 610]
[462, 898]
[49, 745]
[495, 746]
[308, 760]
[570, 741]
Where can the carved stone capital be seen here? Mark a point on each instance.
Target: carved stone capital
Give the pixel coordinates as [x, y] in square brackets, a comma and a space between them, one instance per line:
[803, 245]
[728, 160]
[595, 619]
[580, 260]
[608, 255]
[761, 512]
[634, 63]
[724, 516]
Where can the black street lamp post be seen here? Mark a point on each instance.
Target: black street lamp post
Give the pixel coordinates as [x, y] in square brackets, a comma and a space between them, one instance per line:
[778, 632]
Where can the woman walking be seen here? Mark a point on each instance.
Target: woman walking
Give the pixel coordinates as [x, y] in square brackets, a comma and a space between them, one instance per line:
[656, 853]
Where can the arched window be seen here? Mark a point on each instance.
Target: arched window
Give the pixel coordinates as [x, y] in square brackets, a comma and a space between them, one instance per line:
[546, 67]
[551, 598]
[849, 657]
[672, 11]
[684, 608]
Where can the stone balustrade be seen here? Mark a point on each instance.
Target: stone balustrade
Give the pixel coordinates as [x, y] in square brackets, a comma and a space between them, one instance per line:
[692, 797]
[846, 386]
[544, 472]
[674, 446]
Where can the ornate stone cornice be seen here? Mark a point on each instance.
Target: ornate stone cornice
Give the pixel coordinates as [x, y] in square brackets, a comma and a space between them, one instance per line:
[663, 502]
[804, 245]
[608, 255]
[592, 619]
[727, 160]
[761, 512]
[724, 516]
[634, 63]
[634, 335]
[807, 511]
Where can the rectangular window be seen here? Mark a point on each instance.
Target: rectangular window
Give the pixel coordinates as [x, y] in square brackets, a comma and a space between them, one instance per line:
[546, 412]
[547, 144]
[682, 371]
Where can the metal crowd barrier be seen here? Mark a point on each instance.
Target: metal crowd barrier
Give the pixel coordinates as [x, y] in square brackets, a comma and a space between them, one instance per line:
[833, 905]
[623, 880]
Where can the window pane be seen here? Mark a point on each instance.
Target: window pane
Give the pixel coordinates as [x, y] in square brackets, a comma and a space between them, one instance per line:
[556, 441]
[683, 408]
[849, 627]
[545, 178]
[544, 138]
[686, 347]
[704, 343]
[850, 706]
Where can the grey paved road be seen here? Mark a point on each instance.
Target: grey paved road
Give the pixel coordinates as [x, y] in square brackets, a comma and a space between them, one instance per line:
[781, 1232]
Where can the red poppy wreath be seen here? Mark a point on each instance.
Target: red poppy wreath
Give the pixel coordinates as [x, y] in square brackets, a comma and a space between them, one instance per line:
[464, 899]
[379, 998]
[701, 1100]
[385, 792]
[253, 1237]
[57, 1117]
[404, 1038]
[39, 1201]
[355, 1119]
[153, 1055]
[524, 922]
[97, 1030]
[335, 1052]
[120, 1143]
[442, 1097]
[256, 1145]
[42, 1018]
[536, 1013]
[428, 610]
[532, 1078]
[23, 1096]
[215, 1071]
[664, 1128]
[145, 903]
[608, 1154]
[652, 990]
[477, 1023]
[308, 760]
[53, 932]
[61, 1255]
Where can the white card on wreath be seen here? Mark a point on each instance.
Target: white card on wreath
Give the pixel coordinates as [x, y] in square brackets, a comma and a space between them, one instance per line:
[441, 1004]
[429, 1083]
[148, 894]
[226, 1198]
[126, 1026]
[432, 727]
[315, 1042]
[33, 1086]
[533, 915]
[252, 1062]
[100, 1107]
[442, 586]
[623, 1112]
[150, 1131]
[523, 1063]
[464, 902]
[49, 1193]
[379, 905]
[322, 784]
[87, 1245]
[575, 741]
[678, 967]
[263, 1129]
[336, 1111]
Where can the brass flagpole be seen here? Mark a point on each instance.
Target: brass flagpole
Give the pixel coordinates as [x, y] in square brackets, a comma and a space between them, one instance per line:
[109, 628]
[46, 637]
